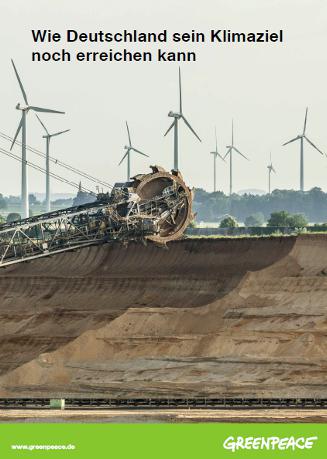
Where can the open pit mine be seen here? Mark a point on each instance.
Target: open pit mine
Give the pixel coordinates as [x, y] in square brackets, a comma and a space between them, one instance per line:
[109, 301]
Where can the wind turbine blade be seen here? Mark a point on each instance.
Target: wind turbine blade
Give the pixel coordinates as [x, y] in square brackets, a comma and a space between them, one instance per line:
[180, 91]
[228, 152]
[190, 127]
[129, 135]
[20, 83]
[305, 121]
[60, 132]
[293, 140]
[45, 110]
[238, 151]
[218, 154]
[314, 146]
[170, 127]
[272, 168]
[128, 150]
[17, 132]
[138, 151]
[46, 130]
[232, 132]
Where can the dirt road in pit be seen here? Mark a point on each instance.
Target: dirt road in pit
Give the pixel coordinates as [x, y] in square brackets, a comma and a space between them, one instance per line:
[214, 317]
[160, 416]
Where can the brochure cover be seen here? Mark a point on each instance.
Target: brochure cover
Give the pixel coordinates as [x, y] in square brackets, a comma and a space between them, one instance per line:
[163, 228]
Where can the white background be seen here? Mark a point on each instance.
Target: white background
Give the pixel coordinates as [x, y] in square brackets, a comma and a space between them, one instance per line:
[264, 87]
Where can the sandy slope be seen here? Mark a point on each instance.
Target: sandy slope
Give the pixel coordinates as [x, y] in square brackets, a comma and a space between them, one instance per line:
[206, 317]
[161, 416]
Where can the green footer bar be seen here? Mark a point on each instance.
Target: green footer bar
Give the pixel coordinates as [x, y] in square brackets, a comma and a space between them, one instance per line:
[163, 440]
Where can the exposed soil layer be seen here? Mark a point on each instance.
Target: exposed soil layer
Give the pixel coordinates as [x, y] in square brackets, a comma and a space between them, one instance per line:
[215, 317]
[163, 416]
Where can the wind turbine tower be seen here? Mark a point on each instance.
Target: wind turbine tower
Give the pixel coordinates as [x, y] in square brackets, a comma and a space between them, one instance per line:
[230, 149]
[271, 169]
[303, 137]
[215, 156]
[128, 149]
[177, 116]
[47, 138]
[22, 127]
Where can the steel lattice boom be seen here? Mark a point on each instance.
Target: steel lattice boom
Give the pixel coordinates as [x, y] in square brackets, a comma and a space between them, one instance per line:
[154, 206]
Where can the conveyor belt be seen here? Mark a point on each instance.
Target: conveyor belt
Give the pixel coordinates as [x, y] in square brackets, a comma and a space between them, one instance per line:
[168, 403]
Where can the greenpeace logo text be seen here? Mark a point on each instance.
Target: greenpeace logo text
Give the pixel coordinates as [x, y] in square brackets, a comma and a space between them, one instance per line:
[43, 447]
[268, 443]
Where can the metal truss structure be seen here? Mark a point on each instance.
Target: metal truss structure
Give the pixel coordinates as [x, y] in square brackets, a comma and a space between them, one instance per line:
[123, 215]
[168, 403]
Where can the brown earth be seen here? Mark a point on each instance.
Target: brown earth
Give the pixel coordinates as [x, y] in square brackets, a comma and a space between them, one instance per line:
[214, 317]
[162, 416]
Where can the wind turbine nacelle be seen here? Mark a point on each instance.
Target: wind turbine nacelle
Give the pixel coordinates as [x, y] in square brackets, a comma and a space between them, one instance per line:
[171, 114]
[175, 115]
[23, 108]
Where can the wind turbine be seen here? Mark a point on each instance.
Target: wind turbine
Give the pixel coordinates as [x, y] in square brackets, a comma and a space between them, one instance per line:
[301, 137]
[47, 138]
[177, 116]
[230, 149]
[22, 126]
[215, 155]
[128, 149]
[271, 169]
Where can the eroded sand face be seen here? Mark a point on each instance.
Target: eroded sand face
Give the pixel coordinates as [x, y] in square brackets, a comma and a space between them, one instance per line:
[219, 317]
[163, 416]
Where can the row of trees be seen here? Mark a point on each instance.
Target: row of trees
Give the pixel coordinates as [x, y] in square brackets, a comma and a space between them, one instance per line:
[14, 201]
[3, 203]
[7, 201]
[213, 206]
[251, 209]
[82, 197]
[12, 217]
[277, 219]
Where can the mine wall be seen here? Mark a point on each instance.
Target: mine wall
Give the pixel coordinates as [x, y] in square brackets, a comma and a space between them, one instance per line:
[242, 317]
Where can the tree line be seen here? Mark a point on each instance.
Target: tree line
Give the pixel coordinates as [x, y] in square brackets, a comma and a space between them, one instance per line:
[249, 208]
[212, 207]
